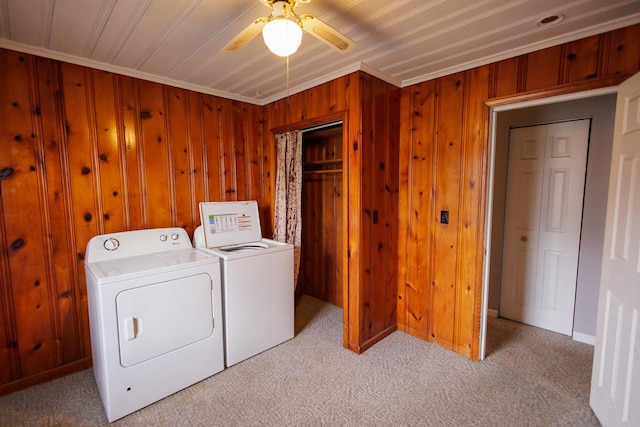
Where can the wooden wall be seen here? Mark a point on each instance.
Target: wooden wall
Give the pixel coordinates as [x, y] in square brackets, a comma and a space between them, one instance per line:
[86, 152]
[369, 109]
[443, 166]
[379, 190]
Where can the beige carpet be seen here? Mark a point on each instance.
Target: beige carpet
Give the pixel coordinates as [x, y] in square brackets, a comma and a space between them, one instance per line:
[531, 377]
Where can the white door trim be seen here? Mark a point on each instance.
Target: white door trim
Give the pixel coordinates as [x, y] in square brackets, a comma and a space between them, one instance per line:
[493, 116]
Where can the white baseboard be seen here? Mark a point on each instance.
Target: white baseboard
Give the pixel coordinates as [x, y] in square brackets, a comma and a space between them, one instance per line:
[577, 336]
[584, 338]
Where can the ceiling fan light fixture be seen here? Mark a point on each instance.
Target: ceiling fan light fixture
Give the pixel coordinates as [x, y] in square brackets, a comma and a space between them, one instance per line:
[281, 35]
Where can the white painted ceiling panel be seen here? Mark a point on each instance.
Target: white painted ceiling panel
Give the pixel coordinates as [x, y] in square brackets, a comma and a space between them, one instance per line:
[196, 26]
[227, 22]
[28, 20]
[179, 42]
[122, 20]
[88, 19]
[159, 22]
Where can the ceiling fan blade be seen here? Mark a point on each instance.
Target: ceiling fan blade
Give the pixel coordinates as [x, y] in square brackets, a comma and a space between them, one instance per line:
[326, 33]
[246, 35]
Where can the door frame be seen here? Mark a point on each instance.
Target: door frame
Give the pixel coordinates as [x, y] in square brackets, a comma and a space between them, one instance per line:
[514, 103]
[349, 319]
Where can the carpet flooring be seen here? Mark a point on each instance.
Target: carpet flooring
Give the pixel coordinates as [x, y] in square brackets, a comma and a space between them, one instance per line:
[531, 377]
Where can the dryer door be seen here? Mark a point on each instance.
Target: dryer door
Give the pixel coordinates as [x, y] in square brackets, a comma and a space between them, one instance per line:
[163, 317]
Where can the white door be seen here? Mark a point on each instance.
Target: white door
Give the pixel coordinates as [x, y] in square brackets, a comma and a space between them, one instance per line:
[543, 218]
[615, 382]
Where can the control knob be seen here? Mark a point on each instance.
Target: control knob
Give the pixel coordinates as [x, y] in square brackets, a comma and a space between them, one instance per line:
[111, 244]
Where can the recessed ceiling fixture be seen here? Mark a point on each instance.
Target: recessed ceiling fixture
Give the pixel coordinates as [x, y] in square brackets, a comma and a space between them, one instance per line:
[282, 30]
[549, 20]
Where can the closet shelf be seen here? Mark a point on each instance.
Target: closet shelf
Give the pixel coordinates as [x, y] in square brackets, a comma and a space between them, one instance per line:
[323, 162]
[322, 171]
[322, 166]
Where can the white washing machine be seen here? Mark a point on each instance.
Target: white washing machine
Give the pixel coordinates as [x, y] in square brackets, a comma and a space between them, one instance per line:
[257, 278]
[155, 312]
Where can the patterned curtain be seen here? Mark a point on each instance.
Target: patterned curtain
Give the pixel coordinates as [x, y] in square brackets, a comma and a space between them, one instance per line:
[288, 209]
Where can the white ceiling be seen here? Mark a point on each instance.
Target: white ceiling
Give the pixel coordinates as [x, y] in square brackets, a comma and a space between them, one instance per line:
[179, 42]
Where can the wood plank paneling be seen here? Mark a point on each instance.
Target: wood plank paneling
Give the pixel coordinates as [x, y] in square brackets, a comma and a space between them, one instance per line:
[369, 303]
[108, 140]
[620, 53]
[389, 191]
[542, 69]
[338, 95]
[178, 136]
[335, 241]
[66, 287]
[239, 138]
[315, 101]
[133, 194]
[292, 113]
[8, 354]
[227, 150]
[416, 164]
[446, 183]
[366, 238]
[197, 157]
[156, 159]
[213, 151]
[580, 59]
[255, 165]
[379, 184]
[507, 77]
[471, 221]
[84, 152]
[452, 272]
[353, 338]
[31, 330]
[82, 161]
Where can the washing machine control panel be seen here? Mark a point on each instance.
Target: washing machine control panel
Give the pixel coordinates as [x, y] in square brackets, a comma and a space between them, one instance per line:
[230, 223]
[137, 242]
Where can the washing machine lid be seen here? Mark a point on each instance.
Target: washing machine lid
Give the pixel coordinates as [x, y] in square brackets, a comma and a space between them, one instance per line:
[245, 250]
[230, 223]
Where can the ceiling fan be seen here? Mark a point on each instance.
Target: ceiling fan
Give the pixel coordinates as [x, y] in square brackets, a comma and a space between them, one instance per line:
[283, 14]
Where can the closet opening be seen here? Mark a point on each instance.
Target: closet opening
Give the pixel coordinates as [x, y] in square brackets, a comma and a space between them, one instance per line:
[321, 267]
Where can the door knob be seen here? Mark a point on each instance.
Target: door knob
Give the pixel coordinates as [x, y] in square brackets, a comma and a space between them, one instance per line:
[523, 238]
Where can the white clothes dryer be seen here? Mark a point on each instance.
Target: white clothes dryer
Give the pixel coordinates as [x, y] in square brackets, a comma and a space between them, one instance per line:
[257, 278]
[155, 316]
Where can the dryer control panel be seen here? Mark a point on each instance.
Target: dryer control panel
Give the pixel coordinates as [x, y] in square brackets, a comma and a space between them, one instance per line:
[137, 242]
